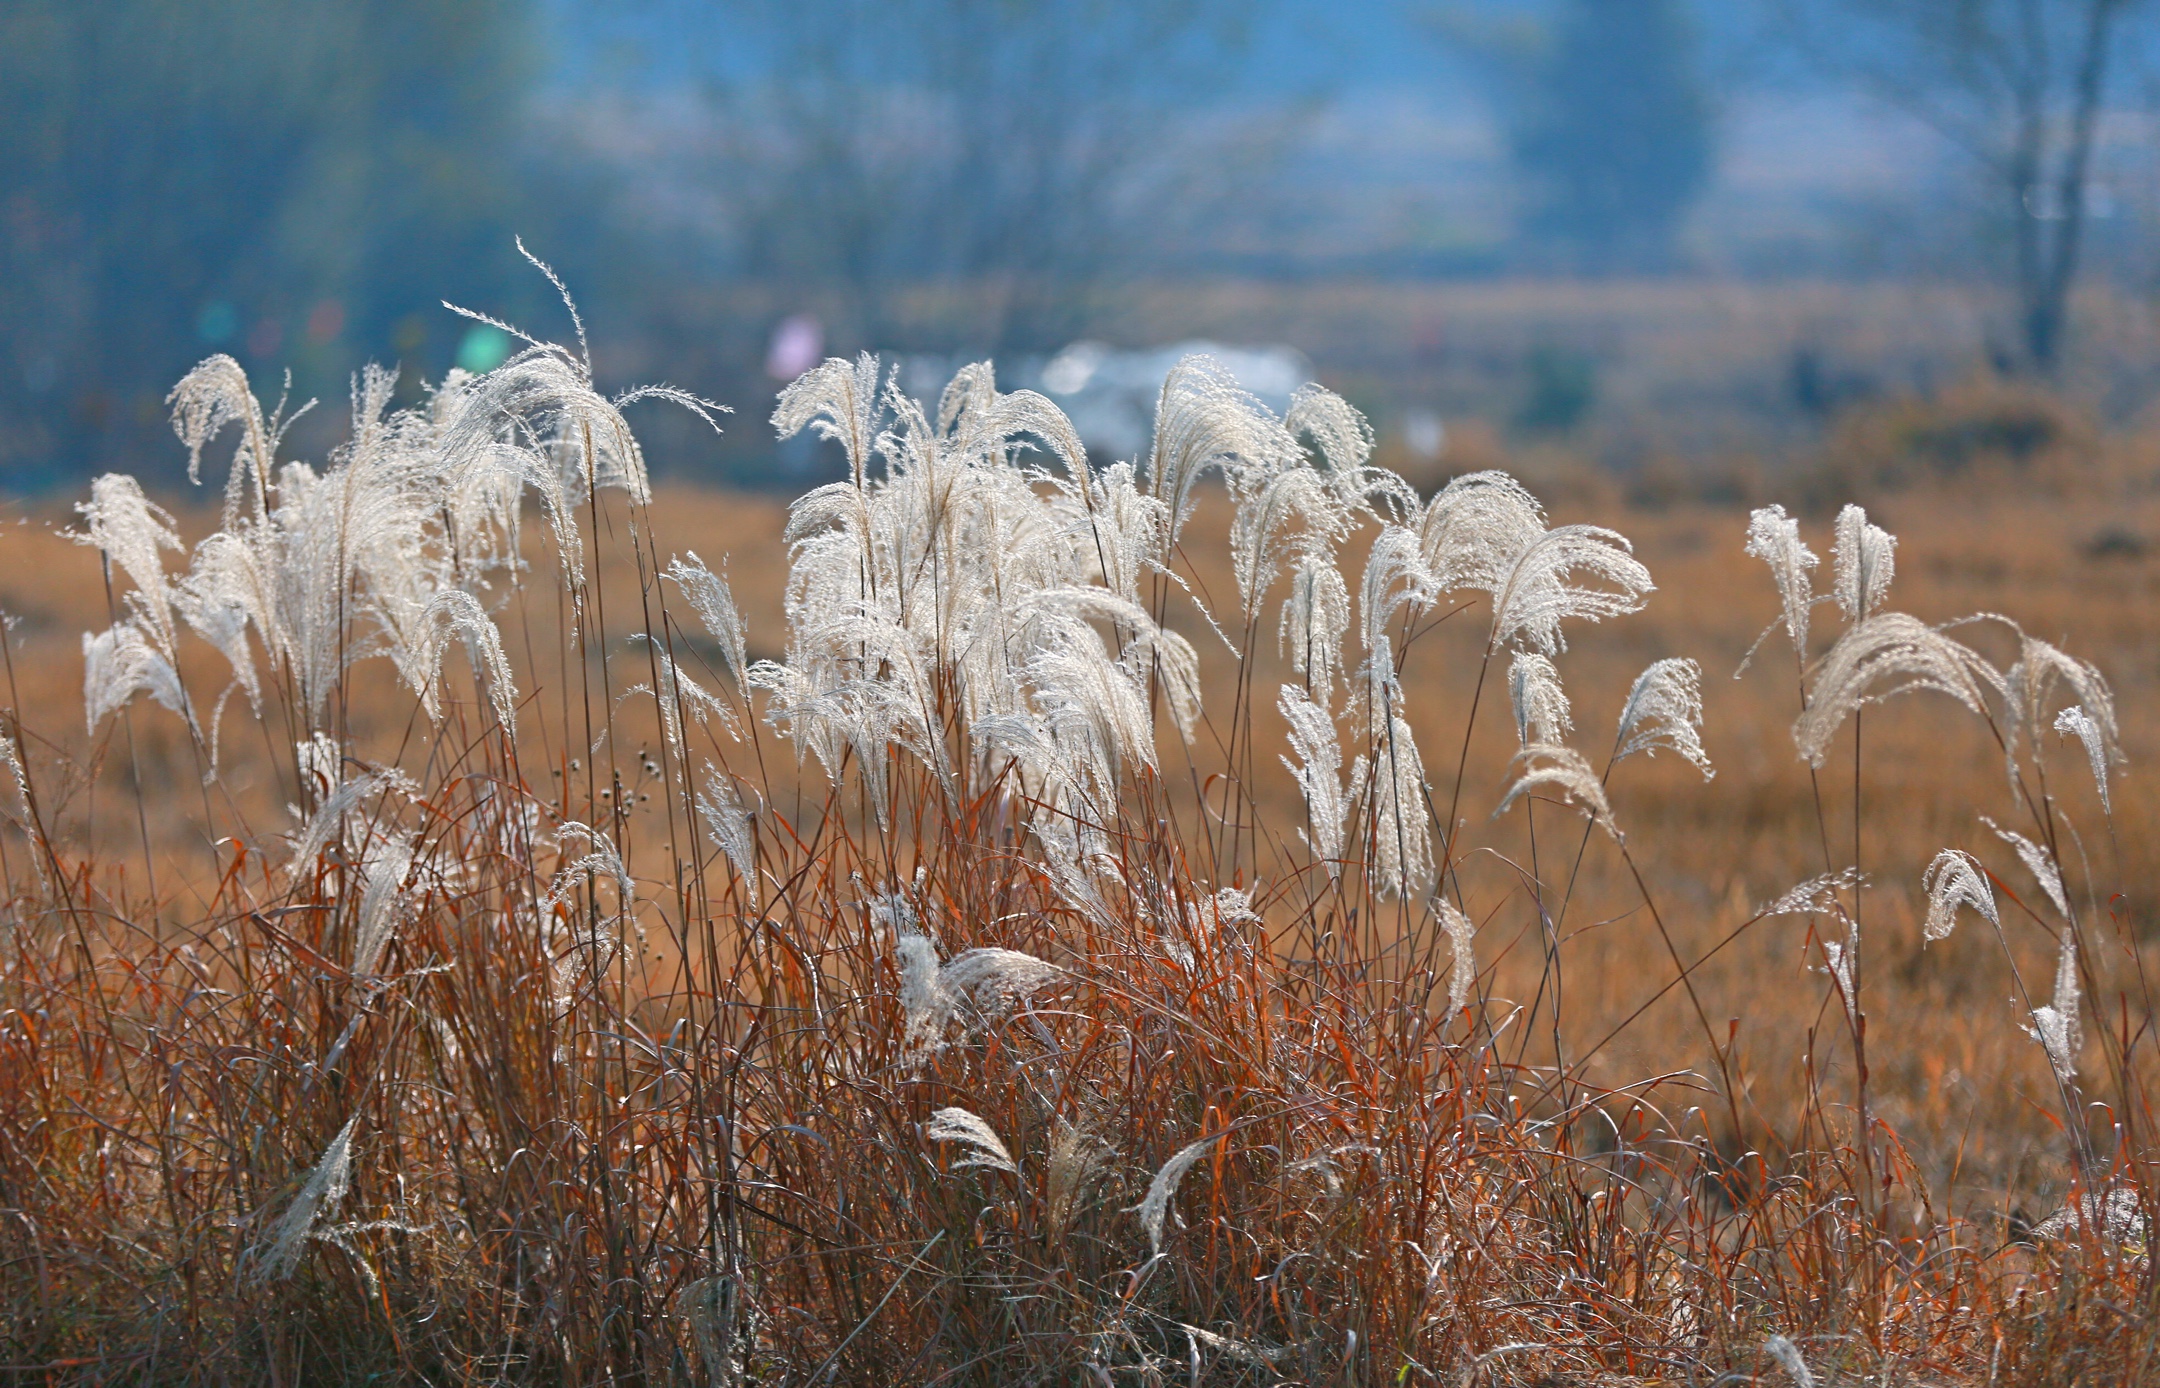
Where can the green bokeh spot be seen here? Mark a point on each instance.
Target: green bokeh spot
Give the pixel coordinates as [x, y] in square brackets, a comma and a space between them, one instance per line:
[483, 349]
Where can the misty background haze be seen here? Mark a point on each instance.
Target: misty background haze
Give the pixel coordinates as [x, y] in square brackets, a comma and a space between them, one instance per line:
[1676, 223]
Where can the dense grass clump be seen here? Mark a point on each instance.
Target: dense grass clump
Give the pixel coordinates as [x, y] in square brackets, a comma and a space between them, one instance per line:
[1083, 948]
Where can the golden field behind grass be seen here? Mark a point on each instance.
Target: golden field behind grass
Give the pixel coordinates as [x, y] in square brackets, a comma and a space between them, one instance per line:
[2069, 545]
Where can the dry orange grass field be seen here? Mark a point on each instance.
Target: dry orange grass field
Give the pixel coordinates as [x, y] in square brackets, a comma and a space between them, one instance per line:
[1750, 1052]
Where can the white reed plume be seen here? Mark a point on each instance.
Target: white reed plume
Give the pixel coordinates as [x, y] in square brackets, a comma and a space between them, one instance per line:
[320, 761]
[2029, 685]
[320, 1193]
[2074, 721]
[599, 860]
[331, 810]
[130, 529]
[1396, 577]
[1539, 702]
[1318, 770]
[1462, 936]
[216, 393]
[2059, 1026]
[729, 824]
[679, 695]
[1314, 619]
[1664, 709]
[2038, 861]
[1816, 896]
[1865, 559]
[1956, 879]
[987, 981]
[979, 1141]
[1774, 538]
[1547, 766]
[1281, 513]
[456, 613]
[1342, 434]
[1477, 528]
[714, 602]
[1077, 1158]
[1546, 586]
[381, 904]
[1154, 1207]
[1894, 650]
[228, 585]
[120, 663]
[1389, 781]
[1788, 1358]
[2116, 1215]
[1204, 419]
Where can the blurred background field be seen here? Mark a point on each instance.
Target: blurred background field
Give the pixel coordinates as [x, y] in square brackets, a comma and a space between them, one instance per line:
[1672, 238]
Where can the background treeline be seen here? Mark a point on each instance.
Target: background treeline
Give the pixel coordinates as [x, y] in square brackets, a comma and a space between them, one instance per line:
[302, 186]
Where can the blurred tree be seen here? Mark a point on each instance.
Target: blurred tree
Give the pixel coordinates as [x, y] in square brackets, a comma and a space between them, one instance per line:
[1011, 152]
[287, 183]
[1611, 128]
[2018, 84]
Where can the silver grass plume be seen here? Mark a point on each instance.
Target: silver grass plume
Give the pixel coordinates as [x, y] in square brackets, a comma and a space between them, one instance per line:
[1343, 435]
[1318, 770]
[2074, 721]
[122, 662]
[2027, 687]
[1477, 528]
[1077, 1158]
[320, 762]
[1664, 709]
[728, 823]
[714, 602]
[324, 1188]
[1204, 419]
[1389, 782]
[1894, 650]
[331, 810]
[1788, 1358]
[1956, 879]
[1315, 618]
[1154, 1207]
[381, 903]
[2038, 861]
[679, 695]
[1462, 936]
[1545, 585]
[1396, 577]
[1547, 766]
[216, 393]
[988, 980]
[1774, 538]
[836, 400]
[456, 613]
[1816, 896]
[979, 1141]
[600, 859]
[1865, 558]
[2058, 1026]
[131, 530]
[1539, 702]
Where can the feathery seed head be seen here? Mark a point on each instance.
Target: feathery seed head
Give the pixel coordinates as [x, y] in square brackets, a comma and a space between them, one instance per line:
[1888, 649]
[1865, 558]
[1664, 709]
[1540, 704]
[1774, 538]
[980, 1143]
[1955, 879]
[1562, 769]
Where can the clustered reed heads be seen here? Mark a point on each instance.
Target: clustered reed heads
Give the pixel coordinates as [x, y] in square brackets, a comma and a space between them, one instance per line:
[994, 1034]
